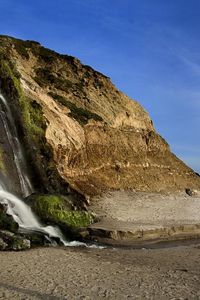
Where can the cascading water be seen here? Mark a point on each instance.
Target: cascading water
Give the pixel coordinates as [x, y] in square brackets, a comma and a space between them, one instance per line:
[24, 216]
[21, 212]
[12, 136]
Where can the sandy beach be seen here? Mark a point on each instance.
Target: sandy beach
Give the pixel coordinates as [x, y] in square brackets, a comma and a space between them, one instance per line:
[82, 273]
[150, 216]
[166, 271]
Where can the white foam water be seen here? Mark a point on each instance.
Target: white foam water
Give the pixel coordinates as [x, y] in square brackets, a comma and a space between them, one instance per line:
[27, 220]
[12, 136]
[25, 217]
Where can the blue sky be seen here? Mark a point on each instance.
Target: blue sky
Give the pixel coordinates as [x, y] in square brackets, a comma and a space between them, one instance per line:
[149, 48]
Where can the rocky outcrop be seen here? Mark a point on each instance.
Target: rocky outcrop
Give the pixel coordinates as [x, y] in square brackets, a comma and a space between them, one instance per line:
[13, 237]
[61, 211]
[139, 237]
[130, 218]
[79, 131]
[10, 238]
[11, 241]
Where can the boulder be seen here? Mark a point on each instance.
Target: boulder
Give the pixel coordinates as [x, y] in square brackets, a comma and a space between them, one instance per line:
[3, 245]
[6, 221]
[60, 210]
[192, 192]
[12, 241]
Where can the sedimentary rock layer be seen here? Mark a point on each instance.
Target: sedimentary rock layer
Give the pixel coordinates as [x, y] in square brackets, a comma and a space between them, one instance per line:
[79, 130]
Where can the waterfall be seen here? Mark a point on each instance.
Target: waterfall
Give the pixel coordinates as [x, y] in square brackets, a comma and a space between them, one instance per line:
[21, 212]
[24, 216]
[12, 136]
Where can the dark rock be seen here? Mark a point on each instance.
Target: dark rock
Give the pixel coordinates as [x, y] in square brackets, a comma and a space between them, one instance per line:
[12, 241]
[20, 243]
[37, 238]
[6, 221]
[3, 245]
[191, 192]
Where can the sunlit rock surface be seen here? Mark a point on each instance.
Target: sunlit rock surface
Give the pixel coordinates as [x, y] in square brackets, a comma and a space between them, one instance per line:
[79, 131]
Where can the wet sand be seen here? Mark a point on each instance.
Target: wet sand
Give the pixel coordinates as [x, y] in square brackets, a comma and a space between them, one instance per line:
[82, 273]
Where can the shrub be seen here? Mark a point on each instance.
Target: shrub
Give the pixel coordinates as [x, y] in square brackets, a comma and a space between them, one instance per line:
[78, 113]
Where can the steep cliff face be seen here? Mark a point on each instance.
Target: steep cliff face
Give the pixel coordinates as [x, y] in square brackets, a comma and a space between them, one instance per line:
[79, 130]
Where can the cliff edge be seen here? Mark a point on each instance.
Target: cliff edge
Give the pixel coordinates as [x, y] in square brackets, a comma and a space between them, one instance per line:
[79, 131]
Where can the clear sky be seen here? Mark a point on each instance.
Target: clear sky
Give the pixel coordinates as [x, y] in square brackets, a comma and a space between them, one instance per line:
[149, 48]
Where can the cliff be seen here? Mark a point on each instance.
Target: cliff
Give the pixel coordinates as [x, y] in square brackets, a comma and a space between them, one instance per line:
[79, 131]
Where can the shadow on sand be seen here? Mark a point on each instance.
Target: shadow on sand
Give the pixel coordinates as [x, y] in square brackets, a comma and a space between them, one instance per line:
[29, 293]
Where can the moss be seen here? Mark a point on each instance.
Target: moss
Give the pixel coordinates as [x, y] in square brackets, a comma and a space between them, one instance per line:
[2, 164]
[31, 120]
[32, 115]
[59, 210]
[78, 113]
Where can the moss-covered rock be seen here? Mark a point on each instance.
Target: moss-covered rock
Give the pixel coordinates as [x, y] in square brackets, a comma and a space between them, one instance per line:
[60, 210]
[7, 222]
[20, 243]
[11, 241]
[13, 238]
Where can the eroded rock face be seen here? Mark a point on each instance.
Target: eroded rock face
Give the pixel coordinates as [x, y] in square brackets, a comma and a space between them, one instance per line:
[80, 130]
